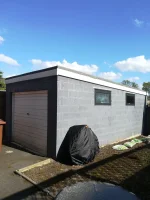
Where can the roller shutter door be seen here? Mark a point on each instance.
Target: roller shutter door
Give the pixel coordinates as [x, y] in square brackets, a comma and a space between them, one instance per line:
[29, 120]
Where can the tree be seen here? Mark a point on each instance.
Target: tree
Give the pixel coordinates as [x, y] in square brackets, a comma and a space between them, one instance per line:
[146, 87]
[135, 85]
[2, 82]
[1, 74]
[130, 84]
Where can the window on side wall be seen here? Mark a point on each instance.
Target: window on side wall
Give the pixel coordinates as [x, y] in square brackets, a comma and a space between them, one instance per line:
[130, 99]
[102, 97]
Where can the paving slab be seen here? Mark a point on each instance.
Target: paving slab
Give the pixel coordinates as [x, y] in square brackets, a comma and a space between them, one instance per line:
[13, 186]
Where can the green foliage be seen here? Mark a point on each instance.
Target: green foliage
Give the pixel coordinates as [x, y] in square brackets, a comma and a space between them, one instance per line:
[146, 87]
[1, 74]
[135, 85]
[130, 84]
[2, 82]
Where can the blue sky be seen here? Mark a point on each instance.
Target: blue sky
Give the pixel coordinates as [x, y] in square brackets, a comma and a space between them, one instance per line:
[106, 38]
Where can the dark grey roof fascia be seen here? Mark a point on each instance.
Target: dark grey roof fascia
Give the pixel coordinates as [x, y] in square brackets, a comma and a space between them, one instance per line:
[33, 72]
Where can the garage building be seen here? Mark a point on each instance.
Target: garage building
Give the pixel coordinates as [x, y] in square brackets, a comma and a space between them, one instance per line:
[42, 105]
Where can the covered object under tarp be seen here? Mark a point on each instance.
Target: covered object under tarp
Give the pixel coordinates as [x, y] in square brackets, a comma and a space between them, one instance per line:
[79, 146]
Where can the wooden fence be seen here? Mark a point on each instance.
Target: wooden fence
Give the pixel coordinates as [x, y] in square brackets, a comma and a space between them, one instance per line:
[2, 104]
[3, 109]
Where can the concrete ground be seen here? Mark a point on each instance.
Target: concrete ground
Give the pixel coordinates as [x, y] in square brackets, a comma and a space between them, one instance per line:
[13, 186]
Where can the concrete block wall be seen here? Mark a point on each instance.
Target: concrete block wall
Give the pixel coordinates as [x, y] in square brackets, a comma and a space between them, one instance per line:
[76, 105]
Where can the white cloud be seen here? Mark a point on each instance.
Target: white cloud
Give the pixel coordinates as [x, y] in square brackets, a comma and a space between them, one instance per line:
[132, 79]
[138, 64]
[1, 39]
[138, 22]
[110, 75]
[8, 60]
[39, 64]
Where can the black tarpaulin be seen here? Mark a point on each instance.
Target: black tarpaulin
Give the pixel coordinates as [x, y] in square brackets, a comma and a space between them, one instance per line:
[79, 146]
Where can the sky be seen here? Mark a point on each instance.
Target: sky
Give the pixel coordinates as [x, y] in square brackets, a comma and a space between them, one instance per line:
[109, 39]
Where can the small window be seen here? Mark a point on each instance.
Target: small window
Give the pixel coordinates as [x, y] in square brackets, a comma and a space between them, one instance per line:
[102, 97]
[130, 99]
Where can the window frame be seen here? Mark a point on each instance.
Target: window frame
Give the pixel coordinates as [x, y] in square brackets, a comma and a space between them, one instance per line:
[104, 92]
[131, 95]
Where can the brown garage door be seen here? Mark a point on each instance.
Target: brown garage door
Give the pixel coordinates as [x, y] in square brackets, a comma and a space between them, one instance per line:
[29, 120]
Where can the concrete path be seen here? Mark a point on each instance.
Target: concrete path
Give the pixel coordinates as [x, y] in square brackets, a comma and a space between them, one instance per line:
[13, 186]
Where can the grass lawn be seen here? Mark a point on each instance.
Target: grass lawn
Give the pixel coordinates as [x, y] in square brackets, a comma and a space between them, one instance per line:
[129, 169]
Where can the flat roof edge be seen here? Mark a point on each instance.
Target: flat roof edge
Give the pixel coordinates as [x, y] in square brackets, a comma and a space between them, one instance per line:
[61, 71]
